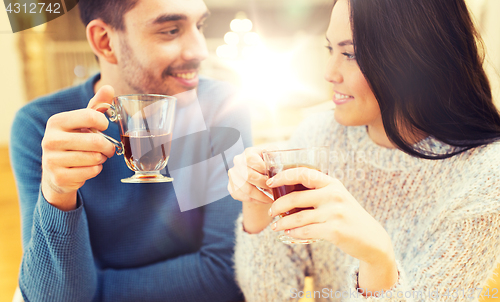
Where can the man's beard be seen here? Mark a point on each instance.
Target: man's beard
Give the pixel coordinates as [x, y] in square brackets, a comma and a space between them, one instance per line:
[142, 80]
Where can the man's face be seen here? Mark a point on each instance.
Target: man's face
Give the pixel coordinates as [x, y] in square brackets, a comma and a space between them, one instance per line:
[162, 46]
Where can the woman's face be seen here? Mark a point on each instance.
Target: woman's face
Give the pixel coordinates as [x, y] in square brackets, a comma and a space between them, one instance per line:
[356, 104]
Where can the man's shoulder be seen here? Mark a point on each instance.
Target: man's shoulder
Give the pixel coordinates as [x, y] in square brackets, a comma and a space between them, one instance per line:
[63, 100]
[212, 89]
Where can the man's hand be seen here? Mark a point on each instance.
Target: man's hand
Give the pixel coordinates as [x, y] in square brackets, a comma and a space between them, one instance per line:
[70, 154]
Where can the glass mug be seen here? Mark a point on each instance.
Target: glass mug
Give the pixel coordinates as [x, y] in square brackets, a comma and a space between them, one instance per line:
[146, 122]
[276, 161]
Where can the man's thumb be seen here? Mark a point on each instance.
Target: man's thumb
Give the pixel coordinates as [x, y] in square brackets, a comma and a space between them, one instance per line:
[105, 94]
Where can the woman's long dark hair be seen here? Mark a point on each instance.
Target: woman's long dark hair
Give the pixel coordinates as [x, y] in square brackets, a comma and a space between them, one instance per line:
[421, 59]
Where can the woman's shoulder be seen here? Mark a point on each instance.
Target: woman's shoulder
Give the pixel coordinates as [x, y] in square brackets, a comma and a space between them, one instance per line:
[474, 183]
[484, 158]
[315, 129]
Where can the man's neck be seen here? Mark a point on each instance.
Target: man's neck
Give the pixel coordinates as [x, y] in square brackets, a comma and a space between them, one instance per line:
[112, 78]
[98, 85]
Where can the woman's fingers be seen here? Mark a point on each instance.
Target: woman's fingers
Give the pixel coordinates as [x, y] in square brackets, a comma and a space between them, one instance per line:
[299, 219]
[242, 190]
[251, 167]
[303, 199]
[254, 160]
[310, 231]
[310, 178]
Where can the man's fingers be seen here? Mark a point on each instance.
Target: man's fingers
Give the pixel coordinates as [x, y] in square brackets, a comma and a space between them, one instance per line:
[105, 94]
[65, 141]
[77, 119]
[73, 177]
[74, 159]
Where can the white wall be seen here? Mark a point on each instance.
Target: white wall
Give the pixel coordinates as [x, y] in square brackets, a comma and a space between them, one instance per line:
[486, 14]
[12, 95]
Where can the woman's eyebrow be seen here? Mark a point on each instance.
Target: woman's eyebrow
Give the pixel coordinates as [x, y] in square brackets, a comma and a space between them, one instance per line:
[343, 43]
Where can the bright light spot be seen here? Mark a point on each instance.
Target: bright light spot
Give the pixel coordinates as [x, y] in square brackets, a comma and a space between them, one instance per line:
[251, 38]
[238, 25]
[227, 51]
[248, 52]
[235, 25]
[267, 77]
[231, 38]
[246, 25]
[79, 71]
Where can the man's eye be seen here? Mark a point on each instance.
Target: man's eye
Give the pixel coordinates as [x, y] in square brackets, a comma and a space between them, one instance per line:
[349, 56]
[172, 32]
[201, 26]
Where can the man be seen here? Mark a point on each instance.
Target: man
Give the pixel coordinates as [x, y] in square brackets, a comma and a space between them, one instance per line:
[88, 237]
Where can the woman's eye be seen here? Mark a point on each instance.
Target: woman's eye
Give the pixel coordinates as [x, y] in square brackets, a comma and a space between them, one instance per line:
[349, 56]
[330, 49]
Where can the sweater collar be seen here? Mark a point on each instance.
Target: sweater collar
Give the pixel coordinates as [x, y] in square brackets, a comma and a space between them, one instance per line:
[392, 159]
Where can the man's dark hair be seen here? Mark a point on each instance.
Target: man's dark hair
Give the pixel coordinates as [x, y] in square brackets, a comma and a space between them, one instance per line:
[109, 11]
[422, 62]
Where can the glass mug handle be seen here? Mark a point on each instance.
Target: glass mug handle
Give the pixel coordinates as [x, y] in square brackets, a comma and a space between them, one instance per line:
[114, 116]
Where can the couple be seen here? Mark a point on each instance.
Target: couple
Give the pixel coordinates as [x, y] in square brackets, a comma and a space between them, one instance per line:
[410, 94]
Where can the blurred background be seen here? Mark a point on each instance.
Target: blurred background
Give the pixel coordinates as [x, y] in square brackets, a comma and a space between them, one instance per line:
[273, 50]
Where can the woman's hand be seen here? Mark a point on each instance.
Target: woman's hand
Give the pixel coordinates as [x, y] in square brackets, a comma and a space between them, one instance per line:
[248, 173]
[338, 218]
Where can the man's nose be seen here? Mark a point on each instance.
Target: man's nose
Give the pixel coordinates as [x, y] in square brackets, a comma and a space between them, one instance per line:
[195, 46]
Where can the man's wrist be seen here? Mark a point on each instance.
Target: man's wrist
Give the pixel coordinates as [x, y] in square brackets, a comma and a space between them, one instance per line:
[60, 200]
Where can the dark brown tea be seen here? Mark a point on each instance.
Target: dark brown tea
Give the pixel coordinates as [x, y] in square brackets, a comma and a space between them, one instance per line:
[283, 190]
[146, 150]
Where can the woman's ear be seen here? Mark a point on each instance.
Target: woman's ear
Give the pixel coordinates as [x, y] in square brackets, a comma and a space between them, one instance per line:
[99, 36]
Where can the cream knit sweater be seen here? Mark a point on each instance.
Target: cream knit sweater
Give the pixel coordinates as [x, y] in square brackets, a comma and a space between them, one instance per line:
[443, 217]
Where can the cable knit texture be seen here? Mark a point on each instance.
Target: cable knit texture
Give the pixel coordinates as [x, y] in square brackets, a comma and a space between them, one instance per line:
[443, 217]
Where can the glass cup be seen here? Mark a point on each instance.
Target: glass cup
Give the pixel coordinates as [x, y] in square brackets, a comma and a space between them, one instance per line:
[276, 161]
[146, 122]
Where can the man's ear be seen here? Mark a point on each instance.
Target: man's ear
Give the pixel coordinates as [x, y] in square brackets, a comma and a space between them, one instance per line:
[99, 35]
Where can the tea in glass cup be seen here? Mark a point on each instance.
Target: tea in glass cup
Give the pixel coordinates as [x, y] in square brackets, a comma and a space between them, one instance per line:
[280, 160]
[146, 123]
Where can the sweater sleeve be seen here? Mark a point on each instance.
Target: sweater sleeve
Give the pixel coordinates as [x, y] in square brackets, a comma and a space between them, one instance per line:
[452, 261]
[206, 275]
[266, 269]
[57, 262]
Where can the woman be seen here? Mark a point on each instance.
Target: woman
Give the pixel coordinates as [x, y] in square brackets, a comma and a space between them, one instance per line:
[411, 210]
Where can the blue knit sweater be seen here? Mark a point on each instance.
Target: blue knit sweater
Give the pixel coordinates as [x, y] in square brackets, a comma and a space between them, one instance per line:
[124, 242]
